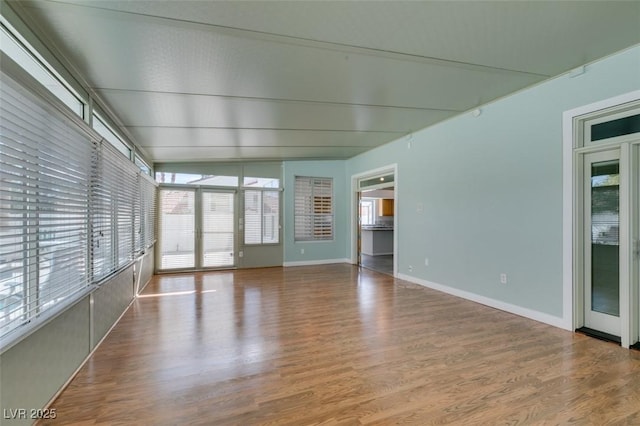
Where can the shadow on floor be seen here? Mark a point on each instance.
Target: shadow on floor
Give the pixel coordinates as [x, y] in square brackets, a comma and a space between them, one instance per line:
[383, 264]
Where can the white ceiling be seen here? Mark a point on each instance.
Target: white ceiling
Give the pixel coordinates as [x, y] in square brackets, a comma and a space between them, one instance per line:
[241, 80]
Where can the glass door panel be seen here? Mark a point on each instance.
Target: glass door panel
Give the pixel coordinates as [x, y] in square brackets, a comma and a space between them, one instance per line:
[602, 242]
[177, 229]
[218, 236]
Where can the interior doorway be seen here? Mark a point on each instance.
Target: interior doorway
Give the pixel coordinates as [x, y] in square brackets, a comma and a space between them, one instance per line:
[376, 217]
[375, 220]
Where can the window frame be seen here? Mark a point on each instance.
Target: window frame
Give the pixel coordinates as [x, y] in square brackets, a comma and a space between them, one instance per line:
[32, 59]
[261, 214]
[605, 116]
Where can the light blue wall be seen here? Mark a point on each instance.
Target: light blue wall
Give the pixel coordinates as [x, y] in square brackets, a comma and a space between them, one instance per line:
[491, 188]
[320, 250]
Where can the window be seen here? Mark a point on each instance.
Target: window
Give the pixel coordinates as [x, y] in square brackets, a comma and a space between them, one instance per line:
[100, 126]
[25, 56]
[620, 127]
[376, 182]
[69, 208]
[114, 194]
[45, 174]
[142, 165]
[367, 211]
[255, 182]
[196, 179]
[313, 209]
[261, 210]
[611, 125]
[261, 217]
[145, 222]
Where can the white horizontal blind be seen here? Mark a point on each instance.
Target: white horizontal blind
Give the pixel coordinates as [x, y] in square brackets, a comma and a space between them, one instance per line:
[270, 217]
[217, 232]
[145, 213]
[114, 198]
[138, 224]
[313, 208]
[252, 217]
[149, 208]
[177, 231]
[127, 192]
[45, 174]
[102, 221]
[261, 216]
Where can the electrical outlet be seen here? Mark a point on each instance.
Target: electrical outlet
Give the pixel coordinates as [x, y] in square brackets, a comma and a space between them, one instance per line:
[410, 268]
[301, 251]
[426, 261]
[503, 278]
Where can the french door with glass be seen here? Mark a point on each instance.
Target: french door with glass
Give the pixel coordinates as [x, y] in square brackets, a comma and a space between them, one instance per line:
[607, 220]
[602, 242]
[196, 228]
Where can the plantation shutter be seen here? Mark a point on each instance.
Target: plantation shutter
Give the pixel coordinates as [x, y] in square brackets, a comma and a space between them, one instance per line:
[313, 208]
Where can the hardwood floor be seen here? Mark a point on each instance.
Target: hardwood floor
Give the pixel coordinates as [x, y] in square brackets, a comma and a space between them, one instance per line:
[335, 345]
[382, 263]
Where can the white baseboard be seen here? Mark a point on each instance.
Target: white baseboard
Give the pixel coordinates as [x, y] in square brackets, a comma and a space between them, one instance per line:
[315, 262]
[503, 306]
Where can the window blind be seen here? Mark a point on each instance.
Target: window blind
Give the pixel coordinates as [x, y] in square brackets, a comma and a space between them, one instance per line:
[45, 174]
[177, 228]
[67, 205]
[217, 233]
[149, 213]
[270, 217]
[138, 235]
[145, 222]
[114, 193]
[252, 217]
[313, 208]
[261, 216]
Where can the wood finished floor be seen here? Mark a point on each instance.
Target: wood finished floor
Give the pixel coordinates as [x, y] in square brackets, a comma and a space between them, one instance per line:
[382, 263]
[335, 345]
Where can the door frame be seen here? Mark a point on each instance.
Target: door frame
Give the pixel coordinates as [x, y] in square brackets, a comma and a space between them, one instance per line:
[572, 226]
[354, 203]
[198, 253]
